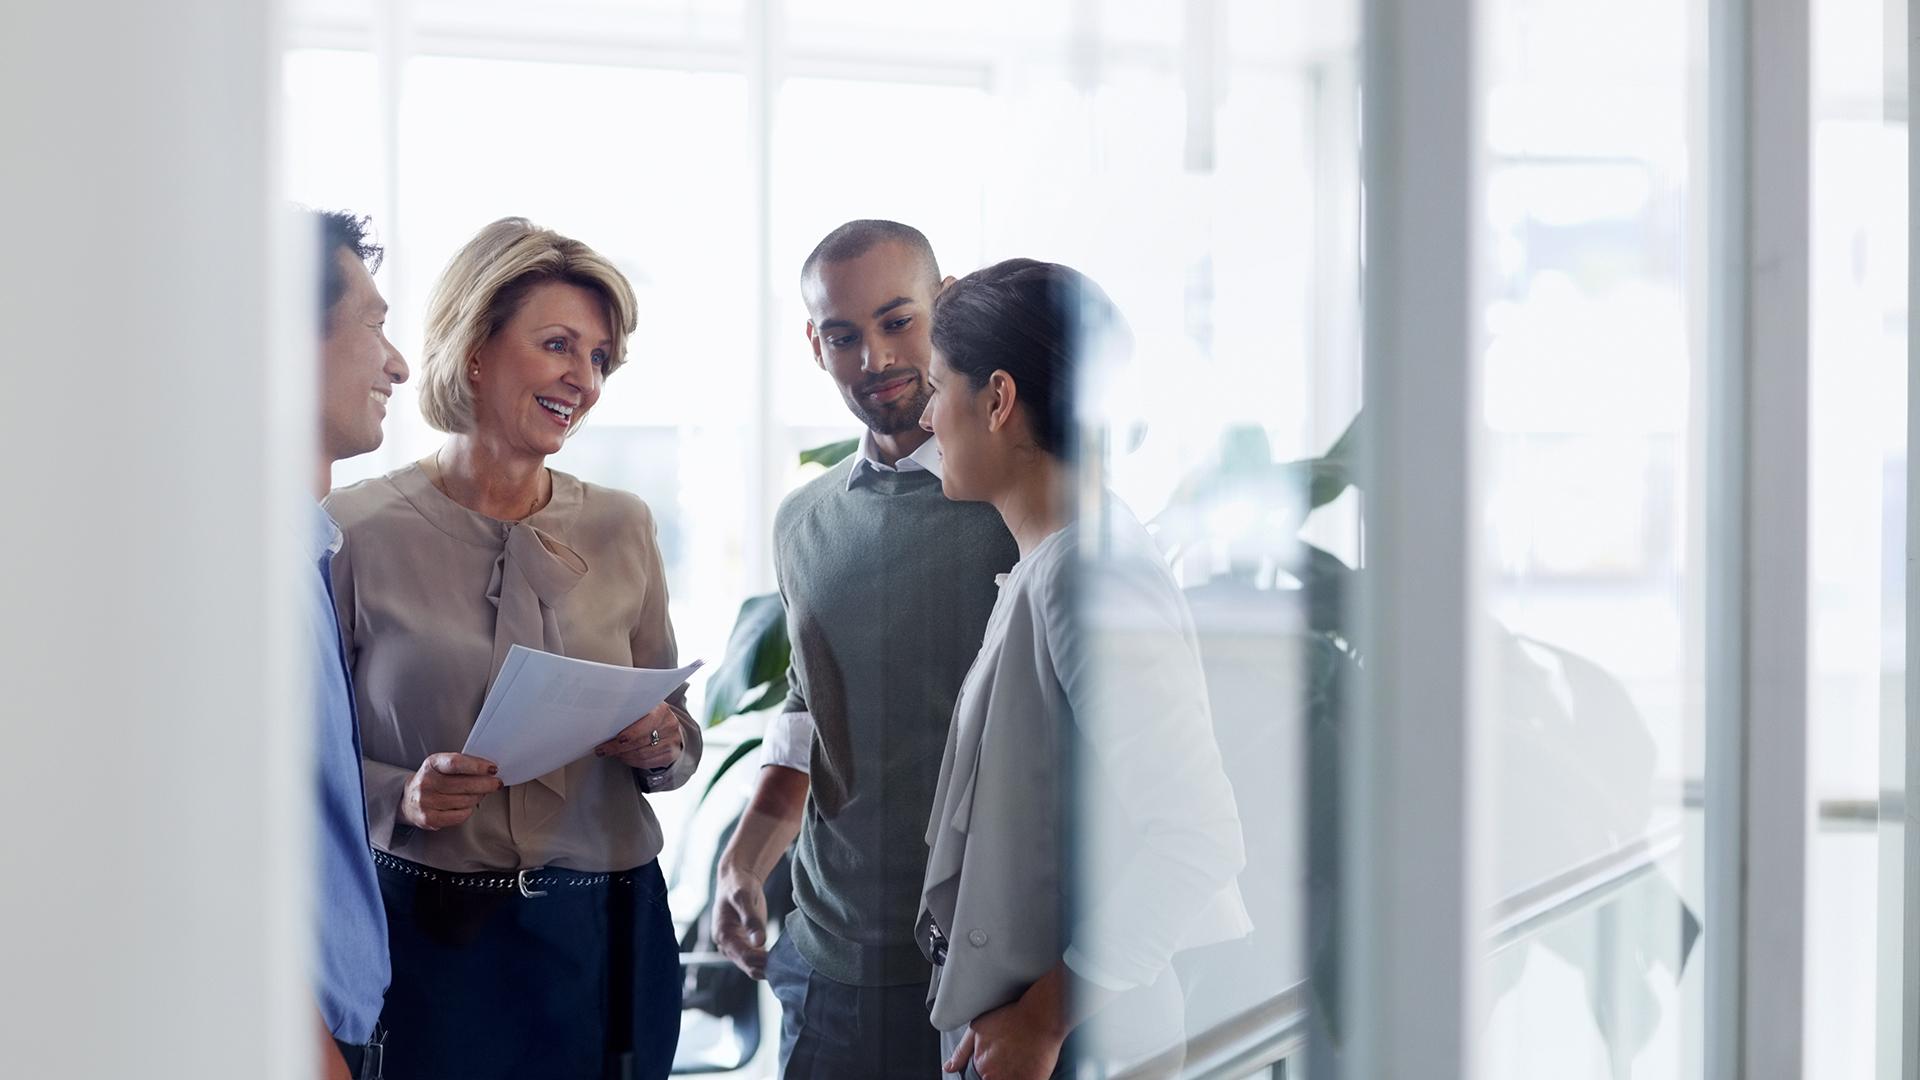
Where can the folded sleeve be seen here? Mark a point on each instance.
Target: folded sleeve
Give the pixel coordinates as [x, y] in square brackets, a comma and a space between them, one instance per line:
[789, 741]
[385, 786]
[683, 769]
[1129, 664]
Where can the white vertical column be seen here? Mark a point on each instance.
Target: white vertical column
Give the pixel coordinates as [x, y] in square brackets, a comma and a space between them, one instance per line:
[765, 31]
[1897, 1012]
[156, 735]
[1759, 816]
[393, 35]
[1412, 939]
[1910, 818]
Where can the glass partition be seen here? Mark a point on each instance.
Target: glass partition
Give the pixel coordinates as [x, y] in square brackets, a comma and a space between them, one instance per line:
[1201, 162]
[1592, 481]
[1226, 434]
[1858, 514]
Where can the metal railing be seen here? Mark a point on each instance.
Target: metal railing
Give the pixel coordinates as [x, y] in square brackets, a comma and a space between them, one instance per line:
[1242, 1044]
[1276, 1029]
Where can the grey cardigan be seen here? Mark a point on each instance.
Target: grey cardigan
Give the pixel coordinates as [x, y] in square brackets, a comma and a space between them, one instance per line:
[1110, 687]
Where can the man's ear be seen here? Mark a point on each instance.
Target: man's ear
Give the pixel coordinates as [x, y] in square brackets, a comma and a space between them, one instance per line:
[1000, 405]
[813, 342]
[942, 287]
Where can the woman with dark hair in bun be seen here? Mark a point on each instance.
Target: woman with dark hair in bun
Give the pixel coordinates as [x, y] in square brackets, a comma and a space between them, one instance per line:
[1083, 830]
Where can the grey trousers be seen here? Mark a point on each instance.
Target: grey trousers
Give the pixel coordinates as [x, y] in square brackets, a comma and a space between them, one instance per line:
[834, 1031]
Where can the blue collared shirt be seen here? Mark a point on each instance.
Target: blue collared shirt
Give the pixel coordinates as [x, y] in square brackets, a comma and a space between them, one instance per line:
[352, 971]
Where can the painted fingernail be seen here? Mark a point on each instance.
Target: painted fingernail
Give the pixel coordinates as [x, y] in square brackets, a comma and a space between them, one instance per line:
[493, 770]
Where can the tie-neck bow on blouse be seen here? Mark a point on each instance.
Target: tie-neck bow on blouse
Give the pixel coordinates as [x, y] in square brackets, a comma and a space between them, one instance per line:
[433, 595]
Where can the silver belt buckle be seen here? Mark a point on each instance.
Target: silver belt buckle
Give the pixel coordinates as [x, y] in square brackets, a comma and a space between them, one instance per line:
[520, 882]
[373, 1063]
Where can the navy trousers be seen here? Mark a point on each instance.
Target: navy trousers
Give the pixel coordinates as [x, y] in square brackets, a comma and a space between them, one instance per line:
[582, 983]
[833, 1031]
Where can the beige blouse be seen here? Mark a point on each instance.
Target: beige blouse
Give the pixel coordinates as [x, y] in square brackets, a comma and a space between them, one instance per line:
[432, 595]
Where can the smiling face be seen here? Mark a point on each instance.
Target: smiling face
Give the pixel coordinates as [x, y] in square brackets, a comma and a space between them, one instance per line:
[541, 372]
[358, 365]
[870, 317]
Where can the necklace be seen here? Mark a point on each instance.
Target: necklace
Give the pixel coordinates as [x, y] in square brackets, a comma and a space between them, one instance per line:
[438, 474]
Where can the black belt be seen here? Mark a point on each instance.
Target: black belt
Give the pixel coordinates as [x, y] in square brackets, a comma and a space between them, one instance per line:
[532, 882]
[366, 1061]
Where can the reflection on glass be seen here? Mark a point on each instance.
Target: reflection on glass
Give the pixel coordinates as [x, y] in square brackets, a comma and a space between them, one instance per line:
[1857, 530]
[1593, 716]
[1238, 271]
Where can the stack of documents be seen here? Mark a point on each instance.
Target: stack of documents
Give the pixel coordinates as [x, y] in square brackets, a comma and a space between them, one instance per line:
[545, 711]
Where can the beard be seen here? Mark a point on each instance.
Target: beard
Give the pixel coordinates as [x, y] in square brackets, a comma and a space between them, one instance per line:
[891, 417]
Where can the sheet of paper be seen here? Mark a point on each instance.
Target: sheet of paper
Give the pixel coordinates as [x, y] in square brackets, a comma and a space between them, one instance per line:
[544, 711]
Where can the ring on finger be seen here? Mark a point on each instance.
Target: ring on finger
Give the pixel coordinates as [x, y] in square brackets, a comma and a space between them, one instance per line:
[653, 739]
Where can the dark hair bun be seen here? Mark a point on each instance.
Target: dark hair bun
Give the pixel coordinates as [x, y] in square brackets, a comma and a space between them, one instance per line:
[1037, 322]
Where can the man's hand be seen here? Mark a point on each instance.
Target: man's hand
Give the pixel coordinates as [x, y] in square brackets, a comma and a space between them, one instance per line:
[446, 789]
[765, 832]
[740, 921]
[636, 747]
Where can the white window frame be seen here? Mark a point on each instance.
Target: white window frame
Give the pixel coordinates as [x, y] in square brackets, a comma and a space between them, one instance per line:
[1413, 894]
[1759, 814]
[1909, 820]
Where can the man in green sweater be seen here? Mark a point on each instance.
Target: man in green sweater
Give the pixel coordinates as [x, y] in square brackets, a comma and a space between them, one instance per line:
[887, 587]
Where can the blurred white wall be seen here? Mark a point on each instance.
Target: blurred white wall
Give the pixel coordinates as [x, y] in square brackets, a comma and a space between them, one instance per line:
[153, 732]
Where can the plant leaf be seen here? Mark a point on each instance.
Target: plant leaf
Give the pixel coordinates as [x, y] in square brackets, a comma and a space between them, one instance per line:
[1327, 582]
[831, 454]
[1347, 445]
[747, 746]
[1326, 477]
[1319, 480]
[757, 654]
[774, 694]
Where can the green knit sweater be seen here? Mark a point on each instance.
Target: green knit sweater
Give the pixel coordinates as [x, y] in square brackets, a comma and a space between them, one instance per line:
[888, 587]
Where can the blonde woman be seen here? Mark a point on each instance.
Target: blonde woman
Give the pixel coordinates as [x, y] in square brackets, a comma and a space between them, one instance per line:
[529, 928]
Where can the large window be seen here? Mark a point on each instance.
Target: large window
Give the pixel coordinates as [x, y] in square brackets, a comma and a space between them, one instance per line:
[1202, 162]
[1562, 682]
[1201, 165]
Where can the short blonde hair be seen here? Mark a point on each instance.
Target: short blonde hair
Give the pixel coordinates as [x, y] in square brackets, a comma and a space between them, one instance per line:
[481, 288]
